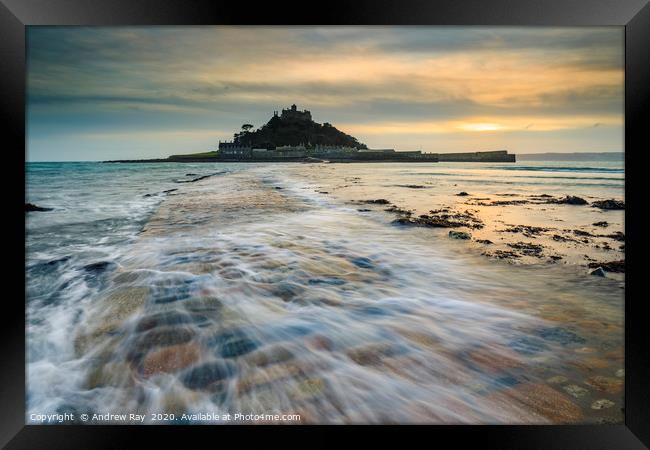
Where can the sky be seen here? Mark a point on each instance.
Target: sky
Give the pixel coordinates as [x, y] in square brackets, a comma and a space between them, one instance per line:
[98, 93]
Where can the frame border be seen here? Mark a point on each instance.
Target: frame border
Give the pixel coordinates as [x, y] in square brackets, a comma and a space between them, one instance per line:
[15, 15]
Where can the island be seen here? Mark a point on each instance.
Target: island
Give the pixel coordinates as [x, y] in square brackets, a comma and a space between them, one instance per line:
[293, 136]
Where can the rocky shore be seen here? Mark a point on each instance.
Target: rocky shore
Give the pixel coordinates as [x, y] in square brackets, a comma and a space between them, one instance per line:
[544, 244]
[515, 227]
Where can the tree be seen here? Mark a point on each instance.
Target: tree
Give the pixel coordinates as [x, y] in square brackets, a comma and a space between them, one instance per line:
[246, 127]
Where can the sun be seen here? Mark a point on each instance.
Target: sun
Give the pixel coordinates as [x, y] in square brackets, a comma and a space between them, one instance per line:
[482, 127]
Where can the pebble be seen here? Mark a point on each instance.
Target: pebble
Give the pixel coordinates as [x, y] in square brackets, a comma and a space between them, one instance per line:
[364, 263]
[170, 359]
[232, 343]
[546, 402]
[605, 384]
[496, 361]
[164, 337]
[266, 357]
[602, 404]
[370, 355]
[208, 376]
[560, 335]
[166, 318]
[599, 272]
[311, 387]
[558, 379]
[528, 345]
[585, 350]
[620, 373]
[575, 391]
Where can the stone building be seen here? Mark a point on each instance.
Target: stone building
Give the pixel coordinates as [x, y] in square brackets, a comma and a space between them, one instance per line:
[233, 150]
[294, 114]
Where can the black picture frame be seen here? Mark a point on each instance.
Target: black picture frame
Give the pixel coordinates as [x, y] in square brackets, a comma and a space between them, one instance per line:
[634, 15]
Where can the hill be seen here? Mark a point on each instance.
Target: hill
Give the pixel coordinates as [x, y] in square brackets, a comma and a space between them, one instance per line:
[294, 128]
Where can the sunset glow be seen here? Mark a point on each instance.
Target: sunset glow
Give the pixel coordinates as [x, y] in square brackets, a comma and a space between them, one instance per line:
[431, 88]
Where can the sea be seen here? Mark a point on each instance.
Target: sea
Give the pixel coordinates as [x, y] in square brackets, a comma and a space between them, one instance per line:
[181, 291]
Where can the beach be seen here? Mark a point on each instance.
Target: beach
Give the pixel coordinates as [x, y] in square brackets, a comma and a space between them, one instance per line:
[344, 293]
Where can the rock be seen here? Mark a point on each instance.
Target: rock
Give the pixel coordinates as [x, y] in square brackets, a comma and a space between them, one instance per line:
[209, 305]
[484, 241]
[160, 337]
[528, 345]
[170, 359]
[609, 421]
[575, 391]
[546, 402]
[528, 248]
[309, 388]
[526, 230]
[428, 221]
[605, 384]
[286, 290]
[100, 266]
[620, 373]
[569, 200]
[208, 376]
[193, 180]
[602, 404]
[268, 356]
[599, 272]
[494, 361]
[558, 379]
[29, 207]
[611, 266]
[462, 194]
[618, 236]
[364, 263]
[585, 350]
[167, 318]
[609, 204]
[560, 335]
[320, 342]
[96, 336]
[600, 224]
[232, 343]
[589, 364]
[459, 235]
[110, 312]
[398, 210]
[503, 203]
[364, 210]
[370, 355]
[441, 218]
[503, 254]
[333, 281]
[379, 201]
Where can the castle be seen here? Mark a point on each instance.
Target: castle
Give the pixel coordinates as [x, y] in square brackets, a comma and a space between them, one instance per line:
[293, 114]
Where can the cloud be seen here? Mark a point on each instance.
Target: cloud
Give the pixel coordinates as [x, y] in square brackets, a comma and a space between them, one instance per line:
[87, 78]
